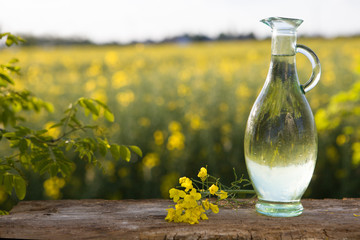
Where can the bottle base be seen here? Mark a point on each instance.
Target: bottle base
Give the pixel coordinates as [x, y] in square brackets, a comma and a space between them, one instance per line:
[279, 209]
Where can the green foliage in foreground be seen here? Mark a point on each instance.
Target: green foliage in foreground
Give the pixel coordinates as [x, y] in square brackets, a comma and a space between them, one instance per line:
[38, 149]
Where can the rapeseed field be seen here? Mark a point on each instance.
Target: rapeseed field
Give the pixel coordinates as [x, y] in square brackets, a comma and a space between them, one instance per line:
[186, 106]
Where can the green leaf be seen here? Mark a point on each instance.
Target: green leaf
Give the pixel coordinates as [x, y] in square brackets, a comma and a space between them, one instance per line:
[89, 105]
[91, 126]
[25, 158]
[80, 101]
[102, 150]
[115, 151]
[20, 187]
[56, 125]
[3, 212]
[87, 111]
[109, 116]
[9, 135]
[3, 35]
[23, 145]
[22, 131]
[102, 104]
[69, 145]
[103, 146]
[95, 117]
[75, 120]
[14, 143]
[3, 83]
[8, 180]
[6, 78]
[136, 150]
[65, 167]
[49, 107]
[10, 41]
[54, 169]
[41, 132]
[125, 153]
[43, 167]
[14, 69]
[14, 60]
[36, 142]
[21, 39]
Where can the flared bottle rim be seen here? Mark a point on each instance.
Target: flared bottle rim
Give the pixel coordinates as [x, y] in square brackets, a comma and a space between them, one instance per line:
[282, 23]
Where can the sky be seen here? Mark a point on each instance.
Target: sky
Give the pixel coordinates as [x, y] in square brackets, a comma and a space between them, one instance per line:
[127, 20]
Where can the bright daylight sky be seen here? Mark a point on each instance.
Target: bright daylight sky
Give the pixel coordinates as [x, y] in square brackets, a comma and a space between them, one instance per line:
[126, 20]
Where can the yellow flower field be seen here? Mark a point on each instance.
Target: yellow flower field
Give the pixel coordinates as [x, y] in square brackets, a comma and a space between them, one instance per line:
[186, 106]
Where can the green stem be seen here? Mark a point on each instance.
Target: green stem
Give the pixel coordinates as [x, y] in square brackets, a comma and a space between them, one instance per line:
[53, 141]
[235, 191]
[68, 118]
[68, 133]
[240, 191]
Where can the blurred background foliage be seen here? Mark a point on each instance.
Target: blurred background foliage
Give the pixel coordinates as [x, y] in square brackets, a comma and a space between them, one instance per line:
[186, 106]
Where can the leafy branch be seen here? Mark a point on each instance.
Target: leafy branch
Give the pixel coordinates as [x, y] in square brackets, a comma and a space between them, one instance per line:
[40, 150]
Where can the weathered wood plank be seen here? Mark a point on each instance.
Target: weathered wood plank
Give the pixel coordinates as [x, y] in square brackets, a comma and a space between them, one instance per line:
[144, 219]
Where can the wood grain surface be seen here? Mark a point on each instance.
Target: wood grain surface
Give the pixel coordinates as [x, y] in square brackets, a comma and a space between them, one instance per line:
[144, 219]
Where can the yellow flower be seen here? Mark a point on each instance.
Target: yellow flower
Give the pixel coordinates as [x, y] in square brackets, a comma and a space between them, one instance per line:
[174, 127]
[180, 205]
[213, 189]
[194, 194]
[144, 122]
[189, 207]
[94, 69]
[52, 187]
[111, 58]
[186, 183]
[176, 194]
[222, 195]
[206, 204]
[182, 180]
[199, 210]
[119, 79]
[214, 208]
[189, 202]
[192, 215]
[151, 160]
[125, 98]
[158, 137]
[178, 215]
[176, 141]
[202, 174]
[171, 214]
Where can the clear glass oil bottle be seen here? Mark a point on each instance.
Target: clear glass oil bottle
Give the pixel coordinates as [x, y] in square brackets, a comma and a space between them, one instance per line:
[280, 138]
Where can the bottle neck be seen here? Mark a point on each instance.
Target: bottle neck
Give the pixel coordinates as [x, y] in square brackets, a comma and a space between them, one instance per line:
[282, 72]
[283, 43]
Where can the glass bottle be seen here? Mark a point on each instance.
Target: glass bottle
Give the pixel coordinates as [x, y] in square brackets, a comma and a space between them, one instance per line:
[280, 138]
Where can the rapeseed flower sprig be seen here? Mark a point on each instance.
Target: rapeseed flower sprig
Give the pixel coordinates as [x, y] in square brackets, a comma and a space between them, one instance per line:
[211, 186]
[193, 203]
[203, 174]
[189, 207]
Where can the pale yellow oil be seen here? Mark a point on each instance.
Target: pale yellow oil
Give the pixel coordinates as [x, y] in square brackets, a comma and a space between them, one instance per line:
[282, 183]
